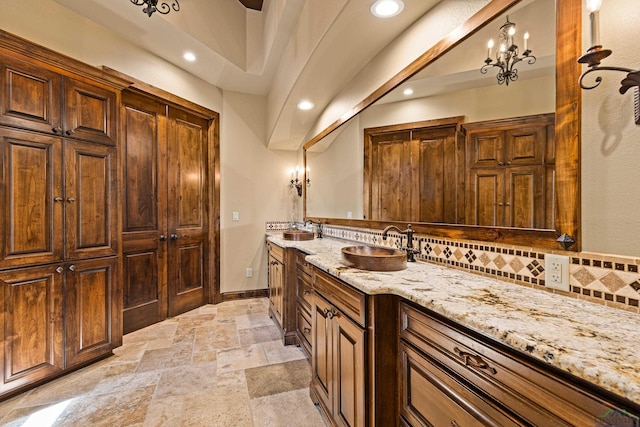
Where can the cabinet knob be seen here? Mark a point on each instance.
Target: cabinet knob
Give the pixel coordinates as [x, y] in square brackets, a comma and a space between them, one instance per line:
[58, 199]
[306, 330]
[500, 163]
[474, 361]
[70, 132]
[500, 204]
[57, 130]
[163, 238]
[508, 204]
[71, 200]
[508, 163]
[305, 292]
[174, 237]
[59, 270]
[72, 267]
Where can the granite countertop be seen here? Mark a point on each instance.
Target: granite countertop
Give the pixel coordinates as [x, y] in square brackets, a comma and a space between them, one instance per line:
[597, 343]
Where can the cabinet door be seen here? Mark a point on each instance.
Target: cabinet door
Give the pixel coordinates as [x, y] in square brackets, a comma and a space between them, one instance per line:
[30, 96]
[91, 310]
[188, 218]
[31, 324]
[90, 193]
[90, 112]
[31, 198]
[485, 197]
[525, 197]
[276, 282]
[486, 148]
[144, 211]
[525, 146]
[348, 371]
[321, 357]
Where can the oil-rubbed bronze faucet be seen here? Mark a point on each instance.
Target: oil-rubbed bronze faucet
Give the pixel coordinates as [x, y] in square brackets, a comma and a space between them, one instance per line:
[318, 227]
[409, 249]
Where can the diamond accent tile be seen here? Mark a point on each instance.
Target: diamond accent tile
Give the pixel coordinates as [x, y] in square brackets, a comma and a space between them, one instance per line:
[437, 250]
[535, 268]
[458, 254]
[484, 259]
[613, 282]
[499, 262]
[447, 252]
[470, 256]
[516, 264]
[584, 277]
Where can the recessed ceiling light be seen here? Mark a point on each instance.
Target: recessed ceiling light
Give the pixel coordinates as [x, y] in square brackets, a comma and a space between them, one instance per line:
[408, 91]
[189, 56]
[386, 8]
[306, 105]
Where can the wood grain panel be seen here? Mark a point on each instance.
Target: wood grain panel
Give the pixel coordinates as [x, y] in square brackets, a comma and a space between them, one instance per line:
[525, 146]
[90, 112]
[485, 192]
[90, 186]
[349, 372]
[321, 359]
[391, 177]
[90, 295]
[30, 96]
[525, 205]
[140, 271]
[31, 223]
[190, 158]
[31, 324]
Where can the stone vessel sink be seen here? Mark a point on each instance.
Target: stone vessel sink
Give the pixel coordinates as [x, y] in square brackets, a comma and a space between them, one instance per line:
[374, 258]
[297, 235]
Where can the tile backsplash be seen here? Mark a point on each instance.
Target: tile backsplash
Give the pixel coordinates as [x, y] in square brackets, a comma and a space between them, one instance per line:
[611, 280]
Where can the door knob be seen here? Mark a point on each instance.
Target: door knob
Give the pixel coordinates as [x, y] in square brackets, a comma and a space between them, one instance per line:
[163, 238]
[59, 270]
[174, 237]
[70, 132]
[58, 199]
[72, 267]
[71, 200]
[57, 130]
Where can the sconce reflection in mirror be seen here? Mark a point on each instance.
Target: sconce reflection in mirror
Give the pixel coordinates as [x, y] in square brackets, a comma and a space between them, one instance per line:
[596, 54]
[507, 55]
[297, 183]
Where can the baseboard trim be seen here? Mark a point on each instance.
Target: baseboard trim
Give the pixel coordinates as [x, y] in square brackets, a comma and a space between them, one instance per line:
[255, 293]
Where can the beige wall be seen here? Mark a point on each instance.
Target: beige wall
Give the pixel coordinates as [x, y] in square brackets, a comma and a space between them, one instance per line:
[611, 140]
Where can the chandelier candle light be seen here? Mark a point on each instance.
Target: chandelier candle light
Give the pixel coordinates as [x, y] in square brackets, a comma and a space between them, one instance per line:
[151, 6]
[507, 55]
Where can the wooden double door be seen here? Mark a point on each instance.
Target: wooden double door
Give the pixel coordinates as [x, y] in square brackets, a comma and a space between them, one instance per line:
[165, 216]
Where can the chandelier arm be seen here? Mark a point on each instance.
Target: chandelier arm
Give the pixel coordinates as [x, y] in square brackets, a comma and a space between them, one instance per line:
[486, 68]
[137, 2]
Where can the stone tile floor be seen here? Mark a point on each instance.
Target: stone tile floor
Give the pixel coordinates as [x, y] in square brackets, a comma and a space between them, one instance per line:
[222, 365]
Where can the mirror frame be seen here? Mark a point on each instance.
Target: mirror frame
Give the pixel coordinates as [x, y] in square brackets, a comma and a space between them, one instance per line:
[567, 128]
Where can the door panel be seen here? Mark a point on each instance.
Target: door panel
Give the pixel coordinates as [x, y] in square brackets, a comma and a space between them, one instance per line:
[32, 211]
[187, 215]
[485, 205]
[525, 205]
[90, 302]
[90, 191]
[31, 324]
[90, 112]
[322, 343]
[391, 177]
[349, 356]
[486, 149]
[525, 145]
[144, 211]
[31, 96]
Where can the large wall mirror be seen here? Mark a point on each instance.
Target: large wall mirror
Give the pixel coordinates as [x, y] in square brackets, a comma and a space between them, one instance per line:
[450, 96]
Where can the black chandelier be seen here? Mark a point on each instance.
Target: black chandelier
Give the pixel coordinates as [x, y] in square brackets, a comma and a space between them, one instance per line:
[507, 55]
[151, 6]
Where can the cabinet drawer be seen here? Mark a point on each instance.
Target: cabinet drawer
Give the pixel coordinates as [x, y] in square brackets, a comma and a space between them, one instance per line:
[536, 394]
[276, 251]
[303, 291]
[431, 397]
[303, 265]
[347, 299]
[304, 327]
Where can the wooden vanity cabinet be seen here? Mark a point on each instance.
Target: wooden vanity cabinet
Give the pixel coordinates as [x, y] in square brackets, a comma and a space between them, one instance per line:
[282, 290]
[338, 340]
[276, 281]
[454, 376]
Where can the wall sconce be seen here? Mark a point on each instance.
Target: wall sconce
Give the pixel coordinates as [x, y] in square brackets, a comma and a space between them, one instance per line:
[297, 183]
[596, 53]
[507, 54]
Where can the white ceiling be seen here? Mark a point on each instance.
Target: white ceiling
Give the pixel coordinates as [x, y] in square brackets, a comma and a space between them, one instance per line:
[249, 51]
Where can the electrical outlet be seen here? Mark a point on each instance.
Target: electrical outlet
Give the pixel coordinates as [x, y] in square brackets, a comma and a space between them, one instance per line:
[249, 272]
[556, 272]
[235, 216]
[349, 215]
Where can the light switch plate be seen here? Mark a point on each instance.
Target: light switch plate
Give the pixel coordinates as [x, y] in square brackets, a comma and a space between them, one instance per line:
[556, 272]
[235, 216]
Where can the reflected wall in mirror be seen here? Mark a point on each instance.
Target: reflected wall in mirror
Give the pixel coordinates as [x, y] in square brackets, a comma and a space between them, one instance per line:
[452, 85]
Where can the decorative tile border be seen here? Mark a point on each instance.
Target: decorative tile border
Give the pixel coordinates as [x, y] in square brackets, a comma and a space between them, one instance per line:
[606, 279]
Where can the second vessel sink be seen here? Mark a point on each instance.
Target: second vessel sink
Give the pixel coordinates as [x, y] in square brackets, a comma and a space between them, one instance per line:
[297, 235]
[374, 258]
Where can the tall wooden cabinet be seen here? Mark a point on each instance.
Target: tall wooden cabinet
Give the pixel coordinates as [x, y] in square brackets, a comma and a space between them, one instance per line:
[59, 292]
[508, 162]
[165, 209]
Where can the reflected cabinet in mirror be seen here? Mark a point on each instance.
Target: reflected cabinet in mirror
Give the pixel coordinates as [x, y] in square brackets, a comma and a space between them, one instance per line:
[459, 153]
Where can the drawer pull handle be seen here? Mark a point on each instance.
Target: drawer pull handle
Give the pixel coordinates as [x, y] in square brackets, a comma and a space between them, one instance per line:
[306, 331]
[474, 361]
[305, 292]
[330, 313]
[454, 424]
